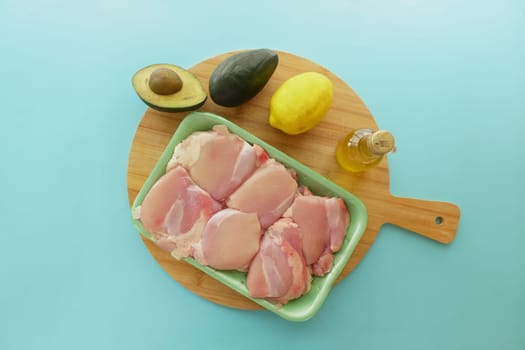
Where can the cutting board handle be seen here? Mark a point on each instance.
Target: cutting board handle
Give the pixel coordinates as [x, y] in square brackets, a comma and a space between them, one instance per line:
[432, 219]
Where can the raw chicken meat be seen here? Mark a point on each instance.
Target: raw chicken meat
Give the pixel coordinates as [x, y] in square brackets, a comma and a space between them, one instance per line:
[269, 191]
[309, 213]
[338, 221]
[229, 241]
[217, 160]
[175, 211]
[279, 272]
[231, 207]
[323, 222]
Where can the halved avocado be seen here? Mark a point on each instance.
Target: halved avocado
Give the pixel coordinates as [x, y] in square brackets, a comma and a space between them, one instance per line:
[159, 86]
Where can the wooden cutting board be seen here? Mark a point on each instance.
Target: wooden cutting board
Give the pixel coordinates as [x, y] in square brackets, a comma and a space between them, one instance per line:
[316, 149]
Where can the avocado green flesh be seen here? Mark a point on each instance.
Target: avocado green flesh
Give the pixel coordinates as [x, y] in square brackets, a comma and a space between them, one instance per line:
[190, 97]
[242, 76]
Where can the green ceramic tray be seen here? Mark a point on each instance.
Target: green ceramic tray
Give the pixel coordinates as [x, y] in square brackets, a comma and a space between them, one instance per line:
[305, 307]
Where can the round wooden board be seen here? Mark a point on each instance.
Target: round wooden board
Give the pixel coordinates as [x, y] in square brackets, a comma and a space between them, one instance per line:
[315, 149]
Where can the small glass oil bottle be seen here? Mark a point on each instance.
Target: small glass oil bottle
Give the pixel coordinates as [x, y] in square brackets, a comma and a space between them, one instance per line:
[363, 149]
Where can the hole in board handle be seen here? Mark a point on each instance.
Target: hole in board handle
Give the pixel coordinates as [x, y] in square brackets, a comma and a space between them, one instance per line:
[439, 220]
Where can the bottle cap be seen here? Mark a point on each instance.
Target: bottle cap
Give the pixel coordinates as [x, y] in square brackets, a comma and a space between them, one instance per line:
[381, 142]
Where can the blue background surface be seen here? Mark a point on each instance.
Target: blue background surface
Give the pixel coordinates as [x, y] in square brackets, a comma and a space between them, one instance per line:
[446, 77]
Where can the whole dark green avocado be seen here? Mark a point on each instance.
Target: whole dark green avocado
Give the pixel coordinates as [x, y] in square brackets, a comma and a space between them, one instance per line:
[241, 76]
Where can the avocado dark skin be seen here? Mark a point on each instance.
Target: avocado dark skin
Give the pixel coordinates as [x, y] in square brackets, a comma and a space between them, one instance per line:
[242, 76]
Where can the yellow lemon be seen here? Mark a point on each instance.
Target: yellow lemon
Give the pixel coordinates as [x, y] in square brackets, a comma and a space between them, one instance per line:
[301, 102]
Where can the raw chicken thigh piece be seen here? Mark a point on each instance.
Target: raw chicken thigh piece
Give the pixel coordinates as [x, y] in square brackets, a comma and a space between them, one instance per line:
[338, 221]
[175, 212]
[309, 213]
[216, 160]
[269, 191]
[188, 151]
[229, 241]
[323, 265]
[323, 222]
[279, 272]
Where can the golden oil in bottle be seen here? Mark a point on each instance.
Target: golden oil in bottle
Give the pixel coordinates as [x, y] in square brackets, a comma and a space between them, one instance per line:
[363, 149]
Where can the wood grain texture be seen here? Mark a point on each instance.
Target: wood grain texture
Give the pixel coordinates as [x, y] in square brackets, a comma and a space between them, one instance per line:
[316, 149]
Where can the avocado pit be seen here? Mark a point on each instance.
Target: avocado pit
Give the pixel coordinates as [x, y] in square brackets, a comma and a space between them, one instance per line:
[164, 81]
